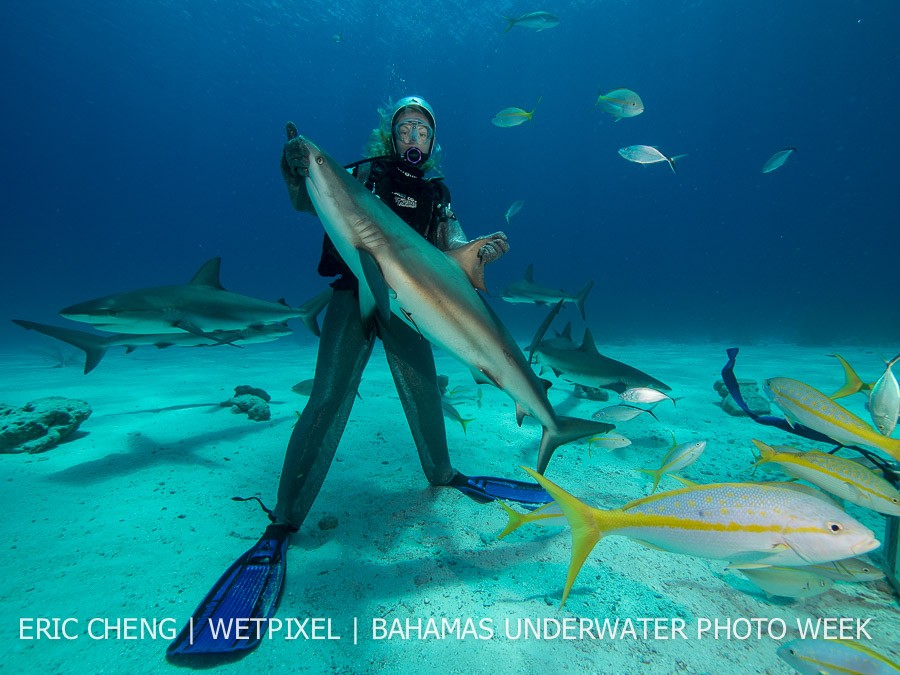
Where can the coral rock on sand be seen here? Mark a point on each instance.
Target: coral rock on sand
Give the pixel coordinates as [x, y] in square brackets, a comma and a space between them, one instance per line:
[41, 424]
[254, 402]
[751, 394]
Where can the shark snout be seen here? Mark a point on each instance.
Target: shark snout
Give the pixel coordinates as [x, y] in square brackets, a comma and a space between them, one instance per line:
[299, 153]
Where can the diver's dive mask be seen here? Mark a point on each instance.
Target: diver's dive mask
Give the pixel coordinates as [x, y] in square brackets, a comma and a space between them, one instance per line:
[417, 134]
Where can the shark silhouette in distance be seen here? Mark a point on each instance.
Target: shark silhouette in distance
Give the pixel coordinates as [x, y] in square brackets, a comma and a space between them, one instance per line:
[95, 346]
[528, 291]
[200, 308]
[584, 365]
[197, 314]
[402, 277]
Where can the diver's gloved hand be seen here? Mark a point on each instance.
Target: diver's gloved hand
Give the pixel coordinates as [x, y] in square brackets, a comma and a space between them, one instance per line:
[495, 246]
[295, 156]
[295, 169]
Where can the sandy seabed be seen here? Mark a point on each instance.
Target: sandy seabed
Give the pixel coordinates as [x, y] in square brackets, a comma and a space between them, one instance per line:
[133, 519]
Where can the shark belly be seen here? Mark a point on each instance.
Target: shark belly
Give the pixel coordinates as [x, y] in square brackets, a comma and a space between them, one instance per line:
[429, 290]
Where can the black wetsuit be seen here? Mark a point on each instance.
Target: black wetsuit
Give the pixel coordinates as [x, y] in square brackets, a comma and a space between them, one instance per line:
[346, 345]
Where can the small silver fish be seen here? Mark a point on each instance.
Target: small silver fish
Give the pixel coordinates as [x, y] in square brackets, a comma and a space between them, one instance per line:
[644, 395]
[513, 117]
[609, 442]
[777, 160]
[450, 412]
[514, 208]
[620, 103]
[856, 570]
[679, 456]
[620, 413]
[337, 37]
[303, 388]
[835, 656]
[537, 21]
[884, 401]
[647, 154]
[786, 582]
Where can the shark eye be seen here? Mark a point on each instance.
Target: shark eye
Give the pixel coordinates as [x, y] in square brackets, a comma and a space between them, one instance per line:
[835, 527]
[113, 313]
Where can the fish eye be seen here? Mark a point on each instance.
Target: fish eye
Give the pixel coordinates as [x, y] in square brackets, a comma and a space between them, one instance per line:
[835, 527]
[113, 313]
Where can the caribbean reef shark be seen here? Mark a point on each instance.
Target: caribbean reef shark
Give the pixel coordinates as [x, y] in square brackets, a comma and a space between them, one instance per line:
[404, 277]
[95, 346]
[586, 366]
[528, 291]
[200, 308]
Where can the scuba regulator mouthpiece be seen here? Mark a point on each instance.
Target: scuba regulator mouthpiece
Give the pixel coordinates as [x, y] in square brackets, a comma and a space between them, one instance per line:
[413, 156]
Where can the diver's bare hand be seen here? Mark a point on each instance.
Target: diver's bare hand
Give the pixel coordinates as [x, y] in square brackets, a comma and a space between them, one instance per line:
[495, 246]
[295, 157]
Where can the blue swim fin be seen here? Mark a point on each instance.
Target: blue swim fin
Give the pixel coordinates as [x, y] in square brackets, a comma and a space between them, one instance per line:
[484, 489]
[249, 589]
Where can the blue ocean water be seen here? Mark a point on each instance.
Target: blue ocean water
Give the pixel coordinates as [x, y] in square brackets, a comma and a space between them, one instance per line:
[142, 138]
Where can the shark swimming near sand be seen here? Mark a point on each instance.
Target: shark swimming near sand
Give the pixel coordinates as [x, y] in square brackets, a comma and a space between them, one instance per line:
[528, 291]
[404, 277]
[586, 366]
[200, 308]
[96, 346]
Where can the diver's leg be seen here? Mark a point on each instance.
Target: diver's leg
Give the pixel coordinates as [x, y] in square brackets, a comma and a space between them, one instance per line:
[344, 349]
[411, 362]
[412, 365]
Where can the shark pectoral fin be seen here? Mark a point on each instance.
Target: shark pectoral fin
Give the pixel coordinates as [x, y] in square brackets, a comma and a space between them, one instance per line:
[374, 294]
[520, 414]
[193, 329]
[467, 258]
[481, 377]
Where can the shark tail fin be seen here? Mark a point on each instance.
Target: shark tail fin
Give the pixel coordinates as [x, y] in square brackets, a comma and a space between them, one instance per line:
[568, 429]
[586, 524]
[511, 22]
[852, 381]
[582, 295]
[93, 346]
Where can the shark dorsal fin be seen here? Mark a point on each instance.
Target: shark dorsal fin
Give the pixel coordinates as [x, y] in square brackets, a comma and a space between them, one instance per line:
[529, 273]
[208, 274]
[588, 344]
[567, 331]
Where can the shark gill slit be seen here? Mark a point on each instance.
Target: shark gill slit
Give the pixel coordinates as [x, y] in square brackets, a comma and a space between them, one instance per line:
[369, 233]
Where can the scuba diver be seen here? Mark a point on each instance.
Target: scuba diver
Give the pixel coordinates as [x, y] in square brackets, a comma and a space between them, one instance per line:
[400, 152]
